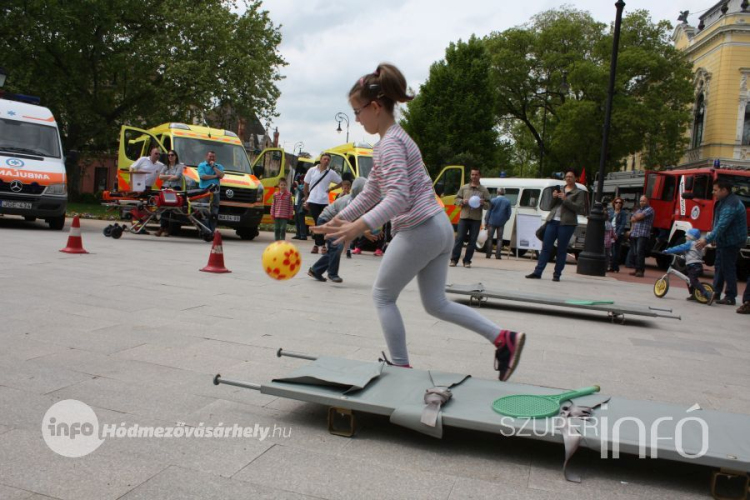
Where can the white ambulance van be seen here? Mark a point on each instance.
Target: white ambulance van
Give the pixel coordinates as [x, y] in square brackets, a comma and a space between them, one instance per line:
[32, 167]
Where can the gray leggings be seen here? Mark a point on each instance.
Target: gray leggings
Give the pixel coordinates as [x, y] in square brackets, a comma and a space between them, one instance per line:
[422, 252]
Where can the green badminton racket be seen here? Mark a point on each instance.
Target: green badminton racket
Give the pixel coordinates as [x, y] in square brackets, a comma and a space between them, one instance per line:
[536, 406]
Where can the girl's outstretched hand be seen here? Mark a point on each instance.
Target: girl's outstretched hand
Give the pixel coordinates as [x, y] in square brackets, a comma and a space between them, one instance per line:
[341, 230]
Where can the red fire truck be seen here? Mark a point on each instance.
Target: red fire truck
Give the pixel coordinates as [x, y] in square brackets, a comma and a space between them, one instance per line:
[683, 199]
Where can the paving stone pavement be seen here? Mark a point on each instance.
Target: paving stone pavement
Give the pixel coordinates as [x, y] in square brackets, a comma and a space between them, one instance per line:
[135, 331]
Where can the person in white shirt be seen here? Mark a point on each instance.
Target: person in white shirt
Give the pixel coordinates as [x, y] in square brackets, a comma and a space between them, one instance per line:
[317, 187]
[150, 165]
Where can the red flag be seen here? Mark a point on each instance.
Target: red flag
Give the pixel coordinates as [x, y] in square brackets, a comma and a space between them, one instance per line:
[582, 180]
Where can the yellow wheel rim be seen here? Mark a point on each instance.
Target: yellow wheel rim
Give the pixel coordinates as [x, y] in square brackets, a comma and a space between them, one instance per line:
[660, 287]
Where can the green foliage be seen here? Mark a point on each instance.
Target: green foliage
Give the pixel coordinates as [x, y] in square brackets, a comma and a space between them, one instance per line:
[452, 117]
[100, 64]
[531, 66]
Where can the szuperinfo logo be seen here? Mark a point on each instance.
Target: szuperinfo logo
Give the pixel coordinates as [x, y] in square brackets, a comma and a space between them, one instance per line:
[71, 429]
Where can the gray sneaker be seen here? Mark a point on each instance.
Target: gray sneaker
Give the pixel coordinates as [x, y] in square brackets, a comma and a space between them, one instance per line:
[314, 275]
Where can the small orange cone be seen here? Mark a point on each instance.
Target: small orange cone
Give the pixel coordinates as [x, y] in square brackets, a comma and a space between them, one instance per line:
[216, 259]
[75, 244]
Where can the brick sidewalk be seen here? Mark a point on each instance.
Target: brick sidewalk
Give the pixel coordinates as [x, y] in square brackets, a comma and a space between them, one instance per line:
[136, 332]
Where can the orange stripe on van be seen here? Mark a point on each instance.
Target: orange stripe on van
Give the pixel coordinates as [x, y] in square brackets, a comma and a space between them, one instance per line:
[191, 173]
[51, 119]
[122, 184]
[29, 176]
[269, 194]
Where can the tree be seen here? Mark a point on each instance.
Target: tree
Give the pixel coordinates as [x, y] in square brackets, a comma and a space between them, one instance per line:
[99, 65]
[452, 116]
[551, 76]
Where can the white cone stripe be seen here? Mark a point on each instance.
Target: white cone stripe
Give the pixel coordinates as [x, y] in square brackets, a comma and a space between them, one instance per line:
[75, 232]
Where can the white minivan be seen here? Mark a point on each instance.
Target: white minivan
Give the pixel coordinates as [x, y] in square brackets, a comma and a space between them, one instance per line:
[32, 167]
[526, 196]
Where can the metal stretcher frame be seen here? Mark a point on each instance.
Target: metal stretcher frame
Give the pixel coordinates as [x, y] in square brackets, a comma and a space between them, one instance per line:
[615, 310]
[648, 429]
[195, 209]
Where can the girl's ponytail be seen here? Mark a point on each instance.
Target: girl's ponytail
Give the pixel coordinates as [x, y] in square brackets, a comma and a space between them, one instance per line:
[386, 85]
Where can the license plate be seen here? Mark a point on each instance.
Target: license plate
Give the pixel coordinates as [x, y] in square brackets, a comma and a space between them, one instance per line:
[24, 205]
[230, 218]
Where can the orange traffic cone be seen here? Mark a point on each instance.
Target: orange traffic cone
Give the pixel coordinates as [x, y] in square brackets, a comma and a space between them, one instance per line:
[216, 259]
[75, 244]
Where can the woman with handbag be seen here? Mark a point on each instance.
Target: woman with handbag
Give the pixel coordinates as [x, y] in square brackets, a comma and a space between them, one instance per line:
[561, 223]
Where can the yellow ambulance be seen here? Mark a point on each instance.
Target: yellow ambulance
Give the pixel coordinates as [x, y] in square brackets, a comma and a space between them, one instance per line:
[241, 206]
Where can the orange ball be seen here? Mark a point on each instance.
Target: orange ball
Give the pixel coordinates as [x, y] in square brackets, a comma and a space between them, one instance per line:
[281, 260]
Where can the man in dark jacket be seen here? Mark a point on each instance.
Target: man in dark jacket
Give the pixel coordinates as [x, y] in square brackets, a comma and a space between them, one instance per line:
[730, 234]
[471, 217]
[495, 220]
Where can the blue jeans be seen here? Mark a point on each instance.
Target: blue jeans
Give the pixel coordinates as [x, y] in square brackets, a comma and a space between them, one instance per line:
[466, 226]
[330, 261]
[490, 231]
[694, 272]
[214, 218]
[725, 271]
[614, 261]
[641, 244]
[630, 257]
[299, 220]
[554, 232]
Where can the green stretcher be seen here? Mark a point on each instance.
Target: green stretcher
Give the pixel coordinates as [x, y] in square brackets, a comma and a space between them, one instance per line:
[418, 400]
[615, 309]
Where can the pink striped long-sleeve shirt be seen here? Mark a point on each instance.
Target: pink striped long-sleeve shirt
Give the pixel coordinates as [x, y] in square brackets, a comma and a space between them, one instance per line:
[398, 187]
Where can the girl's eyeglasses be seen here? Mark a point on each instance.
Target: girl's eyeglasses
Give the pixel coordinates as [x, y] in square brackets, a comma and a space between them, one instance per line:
[358, 111]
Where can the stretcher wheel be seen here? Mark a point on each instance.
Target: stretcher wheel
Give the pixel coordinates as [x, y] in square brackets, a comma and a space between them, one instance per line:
[699, 296]
[117, 232]
[108, 231]
[661, 287]
[207, 236]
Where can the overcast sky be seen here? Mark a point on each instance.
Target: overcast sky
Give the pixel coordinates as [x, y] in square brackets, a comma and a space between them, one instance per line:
[329, 44]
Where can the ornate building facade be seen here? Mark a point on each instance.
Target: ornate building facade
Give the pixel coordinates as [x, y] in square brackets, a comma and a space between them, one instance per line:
[719, 49]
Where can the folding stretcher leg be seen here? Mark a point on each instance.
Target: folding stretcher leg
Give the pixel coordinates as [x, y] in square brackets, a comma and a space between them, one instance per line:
[728, 484]
[341, 422]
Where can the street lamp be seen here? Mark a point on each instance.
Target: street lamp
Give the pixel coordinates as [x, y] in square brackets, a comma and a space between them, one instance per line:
[299, 144]
[592, 261]
[339, 118]
[3, 74]
[564, 88]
